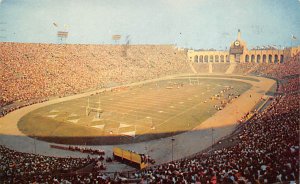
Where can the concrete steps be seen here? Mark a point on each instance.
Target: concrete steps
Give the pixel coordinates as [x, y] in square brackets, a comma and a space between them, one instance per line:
[192, 67]
[210, 68]
[231, 68]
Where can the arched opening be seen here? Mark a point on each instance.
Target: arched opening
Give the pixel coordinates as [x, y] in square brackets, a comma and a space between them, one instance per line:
[211, 58]
[258, 58]
[222, 58]
[227, 58]
[247, 58]
[252, 58]
[196, 59]
[264, 58]
[281, 58]
[201, 59]
[206, 58]
[270, 58]
[216, 58]
[276, 58]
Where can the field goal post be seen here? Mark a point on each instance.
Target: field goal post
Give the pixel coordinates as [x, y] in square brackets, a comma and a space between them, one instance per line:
[194, 81]
[90, 109]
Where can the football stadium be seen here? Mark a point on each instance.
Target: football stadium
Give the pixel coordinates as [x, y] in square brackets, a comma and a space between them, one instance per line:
[143, 111]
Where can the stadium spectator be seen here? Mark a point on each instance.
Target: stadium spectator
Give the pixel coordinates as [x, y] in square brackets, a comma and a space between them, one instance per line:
[34, 72]
[266, 149]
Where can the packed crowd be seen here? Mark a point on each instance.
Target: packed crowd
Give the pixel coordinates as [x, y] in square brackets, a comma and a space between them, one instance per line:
[278, 70]
[39, 71]
[266, 149]
[32, 73]
[289, 85]
[267, 152]
[9, 107]
[17, 167]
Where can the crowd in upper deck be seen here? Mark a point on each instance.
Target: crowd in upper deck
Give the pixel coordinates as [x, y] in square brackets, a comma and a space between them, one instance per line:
[34, 72]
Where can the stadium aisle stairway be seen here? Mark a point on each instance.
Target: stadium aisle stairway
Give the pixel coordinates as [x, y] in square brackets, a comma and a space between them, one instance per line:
[192, 68]
[210, 68]
[231, 68]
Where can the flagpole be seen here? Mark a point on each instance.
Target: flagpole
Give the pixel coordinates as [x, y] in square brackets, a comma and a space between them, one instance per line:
[293, 38]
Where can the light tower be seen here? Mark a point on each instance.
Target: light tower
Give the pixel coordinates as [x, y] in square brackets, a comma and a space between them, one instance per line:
[2, 31]
[63, 34]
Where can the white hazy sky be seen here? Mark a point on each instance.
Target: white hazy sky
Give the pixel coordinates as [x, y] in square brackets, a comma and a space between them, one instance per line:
[186, 23]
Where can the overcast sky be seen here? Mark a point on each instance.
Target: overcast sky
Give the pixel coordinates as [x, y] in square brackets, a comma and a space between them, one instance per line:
[186, 23]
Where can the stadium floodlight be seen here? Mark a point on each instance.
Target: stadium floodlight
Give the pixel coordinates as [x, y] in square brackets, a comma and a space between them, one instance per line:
[62, 36]
[34, 145]
[127, 40]
[116, 38]
[126, 45]
[212, 139]
[173, 139]
[2, 30]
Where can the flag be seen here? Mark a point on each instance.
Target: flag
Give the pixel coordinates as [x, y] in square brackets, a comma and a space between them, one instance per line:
[294, 37]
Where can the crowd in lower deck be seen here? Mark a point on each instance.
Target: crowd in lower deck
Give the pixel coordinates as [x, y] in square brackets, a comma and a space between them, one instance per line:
[267, 151]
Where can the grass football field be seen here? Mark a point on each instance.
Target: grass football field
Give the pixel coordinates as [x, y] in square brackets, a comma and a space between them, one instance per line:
[132, 114]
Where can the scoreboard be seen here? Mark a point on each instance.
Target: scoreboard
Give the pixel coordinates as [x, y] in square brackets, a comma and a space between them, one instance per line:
[236, 48]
